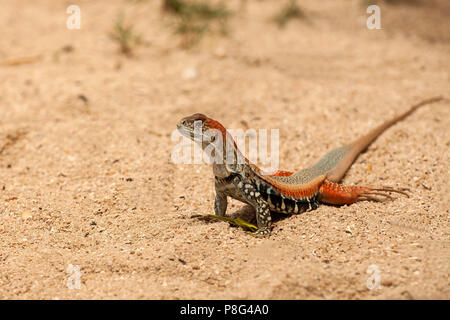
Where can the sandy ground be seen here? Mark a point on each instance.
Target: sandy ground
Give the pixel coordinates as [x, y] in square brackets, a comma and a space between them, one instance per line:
[86, 177]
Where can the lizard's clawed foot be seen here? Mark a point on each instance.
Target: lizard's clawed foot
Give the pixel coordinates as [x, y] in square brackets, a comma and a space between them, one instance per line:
[334, 193]
[263, 232]
[380, 194]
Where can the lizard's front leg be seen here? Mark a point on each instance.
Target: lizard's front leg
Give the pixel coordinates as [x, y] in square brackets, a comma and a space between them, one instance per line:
[220, 204]
[254, 198]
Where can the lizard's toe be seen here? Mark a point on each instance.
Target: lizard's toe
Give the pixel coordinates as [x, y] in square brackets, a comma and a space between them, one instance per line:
[262, 232]
[381, 194]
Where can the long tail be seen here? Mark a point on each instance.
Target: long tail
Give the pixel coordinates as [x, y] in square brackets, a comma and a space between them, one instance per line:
[362, 143]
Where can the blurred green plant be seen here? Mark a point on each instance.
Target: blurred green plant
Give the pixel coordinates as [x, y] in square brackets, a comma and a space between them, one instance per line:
[234, 221]
[288, 12]
[125, 36]
[195, 18]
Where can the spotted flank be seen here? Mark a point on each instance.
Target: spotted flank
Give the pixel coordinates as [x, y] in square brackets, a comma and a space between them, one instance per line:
[284, 204]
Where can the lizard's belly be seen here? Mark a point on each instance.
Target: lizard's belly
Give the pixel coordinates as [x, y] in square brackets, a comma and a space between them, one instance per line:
[235, 194]
[276, 203]
[230, 190]
[284, 204]
[289, 206]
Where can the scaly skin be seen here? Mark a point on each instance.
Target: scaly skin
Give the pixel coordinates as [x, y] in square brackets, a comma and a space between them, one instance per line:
[285, 191]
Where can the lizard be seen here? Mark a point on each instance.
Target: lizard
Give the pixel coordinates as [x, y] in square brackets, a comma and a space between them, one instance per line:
[284, 191]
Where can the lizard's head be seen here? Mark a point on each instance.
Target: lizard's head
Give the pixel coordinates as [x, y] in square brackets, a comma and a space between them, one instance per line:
[210, 133]
[200, 128]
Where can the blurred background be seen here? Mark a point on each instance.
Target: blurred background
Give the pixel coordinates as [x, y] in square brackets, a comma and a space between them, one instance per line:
[86, 117]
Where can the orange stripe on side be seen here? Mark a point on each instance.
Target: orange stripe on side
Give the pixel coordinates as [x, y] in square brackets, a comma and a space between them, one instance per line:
[282, 173]
[295, 191]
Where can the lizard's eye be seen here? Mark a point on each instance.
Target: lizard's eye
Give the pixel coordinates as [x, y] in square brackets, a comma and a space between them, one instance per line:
[213, 138]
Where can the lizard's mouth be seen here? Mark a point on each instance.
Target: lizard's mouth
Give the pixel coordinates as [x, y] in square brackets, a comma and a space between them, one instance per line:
[189, 133]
